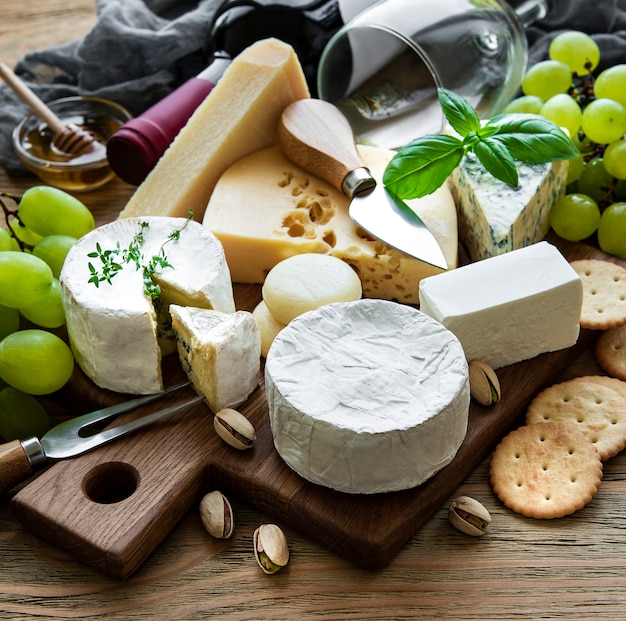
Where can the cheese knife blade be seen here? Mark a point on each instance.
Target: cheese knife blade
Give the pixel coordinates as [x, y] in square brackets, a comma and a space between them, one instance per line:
[316, 136]
[20, 458]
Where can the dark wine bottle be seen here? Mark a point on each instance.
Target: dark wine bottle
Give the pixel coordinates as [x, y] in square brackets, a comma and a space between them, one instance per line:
[307, 25]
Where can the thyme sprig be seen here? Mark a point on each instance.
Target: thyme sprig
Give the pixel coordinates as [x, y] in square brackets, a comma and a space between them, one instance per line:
[113, 260]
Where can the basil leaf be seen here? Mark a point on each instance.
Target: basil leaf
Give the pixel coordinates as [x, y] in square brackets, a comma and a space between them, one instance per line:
[497, 161]
[461, 116]
[532, 138]
[423, 165]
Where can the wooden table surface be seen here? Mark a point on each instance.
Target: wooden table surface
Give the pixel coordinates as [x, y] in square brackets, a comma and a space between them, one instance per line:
[571, 568]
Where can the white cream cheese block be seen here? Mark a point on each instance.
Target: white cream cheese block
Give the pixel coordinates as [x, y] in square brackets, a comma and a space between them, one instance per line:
[220, 352]
[367, 396]
[510, 307]
[117, 332]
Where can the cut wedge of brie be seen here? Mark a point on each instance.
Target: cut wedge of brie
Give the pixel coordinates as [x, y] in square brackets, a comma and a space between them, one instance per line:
[117, 332]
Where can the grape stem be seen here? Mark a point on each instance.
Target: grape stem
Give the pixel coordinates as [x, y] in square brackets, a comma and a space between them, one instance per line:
[13, 213]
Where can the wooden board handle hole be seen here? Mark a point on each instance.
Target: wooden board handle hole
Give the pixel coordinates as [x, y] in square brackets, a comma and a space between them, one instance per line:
[110, 482]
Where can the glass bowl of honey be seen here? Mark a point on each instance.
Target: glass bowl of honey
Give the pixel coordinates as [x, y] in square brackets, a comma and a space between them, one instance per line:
[33, 143]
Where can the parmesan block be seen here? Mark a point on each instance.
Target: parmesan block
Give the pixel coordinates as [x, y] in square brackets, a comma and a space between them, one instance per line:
[495, 218]
[117, 332]
[510, 307]
[220, 352]
[264, 209]
[238, 117]
[367, 396]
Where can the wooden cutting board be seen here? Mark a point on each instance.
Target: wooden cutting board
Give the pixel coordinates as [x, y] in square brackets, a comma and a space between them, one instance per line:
[112, 507]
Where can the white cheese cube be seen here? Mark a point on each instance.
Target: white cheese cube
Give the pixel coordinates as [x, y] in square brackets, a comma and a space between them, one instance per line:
[508, 308]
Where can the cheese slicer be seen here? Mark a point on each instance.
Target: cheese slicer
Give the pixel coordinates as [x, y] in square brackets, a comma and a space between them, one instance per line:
[20, 458]
[315, 135]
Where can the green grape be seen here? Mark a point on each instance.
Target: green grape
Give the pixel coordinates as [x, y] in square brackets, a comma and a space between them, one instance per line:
[24, 279]
[615, 159]
[620, 190]
[23, 233]
[7, 241]
[50, 211]
[35, 361]
[49, 312]
[546, 79]
[53, 249]
[594, 180]
[604, 121]
[9, 321]
[575, 217]
[564, 111]
[577, 50]
[575, 168]
[528, 104]
[21, 416]
[612, 230]
[611, 84]
[583, 144]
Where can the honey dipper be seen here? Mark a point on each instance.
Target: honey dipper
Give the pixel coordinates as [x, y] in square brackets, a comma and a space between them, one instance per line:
[68, 137]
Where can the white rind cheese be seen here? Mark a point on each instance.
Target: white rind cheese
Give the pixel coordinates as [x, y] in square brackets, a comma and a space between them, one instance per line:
[117, 335]
[495, 218]
[220, 352]
[510, 307]
[367, 396]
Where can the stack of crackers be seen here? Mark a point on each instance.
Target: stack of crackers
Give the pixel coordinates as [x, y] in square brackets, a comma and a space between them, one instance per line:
[552, 465]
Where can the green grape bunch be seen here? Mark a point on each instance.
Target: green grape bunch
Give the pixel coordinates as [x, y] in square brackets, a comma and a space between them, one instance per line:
[41, 225]
[568, 89]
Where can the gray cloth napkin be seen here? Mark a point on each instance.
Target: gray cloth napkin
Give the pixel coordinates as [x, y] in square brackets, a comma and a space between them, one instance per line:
[139, 51]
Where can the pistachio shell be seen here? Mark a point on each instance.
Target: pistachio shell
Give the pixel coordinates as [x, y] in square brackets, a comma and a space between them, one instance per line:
[234, 428]
[484, 383]
[270, 548]
[217, 515]
[469, 516]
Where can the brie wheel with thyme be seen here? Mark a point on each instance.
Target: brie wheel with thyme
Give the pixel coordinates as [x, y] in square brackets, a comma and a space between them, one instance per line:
[367, 396]
[119, 333]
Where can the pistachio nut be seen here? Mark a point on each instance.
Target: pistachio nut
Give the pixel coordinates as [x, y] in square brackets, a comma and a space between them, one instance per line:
[234, 428]
[270, 548]
[469, 516]
[484, 383]
[217, 515]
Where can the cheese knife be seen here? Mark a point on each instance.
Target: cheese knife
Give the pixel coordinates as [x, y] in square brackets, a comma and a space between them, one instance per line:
[315, 135]
[20, 458]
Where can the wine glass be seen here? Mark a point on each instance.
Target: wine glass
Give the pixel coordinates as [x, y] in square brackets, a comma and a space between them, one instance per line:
[383, 68]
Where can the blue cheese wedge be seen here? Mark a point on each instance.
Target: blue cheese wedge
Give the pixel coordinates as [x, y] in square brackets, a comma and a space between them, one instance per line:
[367, 396]
[220, 352]
[495, 218]
[508, 308]
[117, 332]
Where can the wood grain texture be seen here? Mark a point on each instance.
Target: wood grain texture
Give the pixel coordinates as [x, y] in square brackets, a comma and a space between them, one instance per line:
[14, 466]
[569, 569]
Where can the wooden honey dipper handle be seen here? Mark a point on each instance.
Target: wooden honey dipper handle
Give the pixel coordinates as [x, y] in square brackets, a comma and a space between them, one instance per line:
[30, 99]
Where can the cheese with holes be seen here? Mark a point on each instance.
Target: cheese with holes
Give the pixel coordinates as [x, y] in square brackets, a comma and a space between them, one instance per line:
[238, 117]
[510, 307]
[495, 218]
[220, 352]
[367, 396]
[117, 332]
[265, 208]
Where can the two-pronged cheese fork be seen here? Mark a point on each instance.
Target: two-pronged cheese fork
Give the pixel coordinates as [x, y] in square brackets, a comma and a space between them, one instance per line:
[20, 458]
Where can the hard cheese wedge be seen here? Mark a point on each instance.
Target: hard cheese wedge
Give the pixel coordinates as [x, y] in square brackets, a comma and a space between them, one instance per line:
[508, 308]
[265, 208]
[495, 218]
[238, 117]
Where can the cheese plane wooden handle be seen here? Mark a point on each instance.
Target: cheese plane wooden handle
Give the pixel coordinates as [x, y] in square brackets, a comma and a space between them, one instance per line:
[315, 135]
[15, 466]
